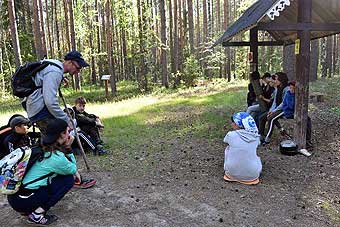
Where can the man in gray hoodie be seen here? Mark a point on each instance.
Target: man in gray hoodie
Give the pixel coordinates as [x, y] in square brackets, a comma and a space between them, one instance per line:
[42, 105]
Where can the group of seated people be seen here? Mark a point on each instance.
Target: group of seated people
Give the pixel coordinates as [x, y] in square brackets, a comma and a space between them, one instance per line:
[88, 128]
[55, 173]
[241, 163]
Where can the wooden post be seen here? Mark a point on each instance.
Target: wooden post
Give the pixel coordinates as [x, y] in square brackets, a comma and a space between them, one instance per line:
[302, 74]
[106, 79]
[253, 62]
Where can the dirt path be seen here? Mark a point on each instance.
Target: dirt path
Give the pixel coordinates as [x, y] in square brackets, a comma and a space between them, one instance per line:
[186, 188]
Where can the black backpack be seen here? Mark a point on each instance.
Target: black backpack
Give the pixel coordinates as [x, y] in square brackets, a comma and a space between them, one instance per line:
[4, 132]
[22, 81]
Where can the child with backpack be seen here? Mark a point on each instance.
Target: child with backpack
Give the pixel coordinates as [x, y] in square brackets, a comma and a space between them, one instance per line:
[55, 171]
[241, 163]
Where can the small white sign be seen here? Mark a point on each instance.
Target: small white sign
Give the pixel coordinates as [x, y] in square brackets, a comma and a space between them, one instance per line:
[106, 77]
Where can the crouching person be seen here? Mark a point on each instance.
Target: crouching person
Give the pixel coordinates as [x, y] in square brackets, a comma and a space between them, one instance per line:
[241, 163]
[55, 173]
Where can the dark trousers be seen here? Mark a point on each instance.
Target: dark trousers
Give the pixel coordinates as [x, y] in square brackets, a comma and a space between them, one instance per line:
[45, 197]
[93, 132]
[272, 121]
[85, 140]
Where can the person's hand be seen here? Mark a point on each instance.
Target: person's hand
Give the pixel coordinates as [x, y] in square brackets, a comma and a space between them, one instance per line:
[261, 97]
[66, 82]
[69, 141]
[270, 114]
[77, 177]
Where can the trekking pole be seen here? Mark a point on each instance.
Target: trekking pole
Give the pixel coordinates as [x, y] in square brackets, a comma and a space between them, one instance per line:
[75, 131]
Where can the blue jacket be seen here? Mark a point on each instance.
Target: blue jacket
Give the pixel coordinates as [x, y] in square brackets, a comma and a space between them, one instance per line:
[288, 105]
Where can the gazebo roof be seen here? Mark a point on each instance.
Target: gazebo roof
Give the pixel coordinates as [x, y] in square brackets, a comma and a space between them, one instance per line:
[271, 12]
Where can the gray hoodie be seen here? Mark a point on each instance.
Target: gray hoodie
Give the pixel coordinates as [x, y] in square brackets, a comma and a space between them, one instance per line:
[241, 161]
[50, 79]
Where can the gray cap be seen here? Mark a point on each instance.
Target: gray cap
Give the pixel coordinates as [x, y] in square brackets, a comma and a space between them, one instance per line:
[17, 121]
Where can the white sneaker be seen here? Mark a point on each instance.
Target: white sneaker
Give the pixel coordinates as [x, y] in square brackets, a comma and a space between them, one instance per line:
[305, 152]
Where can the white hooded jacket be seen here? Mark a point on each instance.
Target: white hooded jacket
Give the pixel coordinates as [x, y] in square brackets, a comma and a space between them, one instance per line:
[241, 161]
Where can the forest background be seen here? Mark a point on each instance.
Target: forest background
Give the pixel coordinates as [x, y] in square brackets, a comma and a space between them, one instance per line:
[150, 43]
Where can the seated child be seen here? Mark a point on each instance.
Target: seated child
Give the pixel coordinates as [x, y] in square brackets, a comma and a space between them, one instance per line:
[241, 163]
[288, 107]
[16, 136]
[85, 139]
[89, 123]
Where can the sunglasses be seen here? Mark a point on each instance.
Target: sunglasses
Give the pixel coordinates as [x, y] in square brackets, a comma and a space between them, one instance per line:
[77, 67]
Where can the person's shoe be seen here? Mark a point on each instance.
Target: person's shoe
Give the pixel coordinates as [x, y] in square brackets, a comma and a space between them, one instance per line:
[264, 142]
[84, 183]
[41, 219]
[100, 150]
[309, 145]
[230, 179]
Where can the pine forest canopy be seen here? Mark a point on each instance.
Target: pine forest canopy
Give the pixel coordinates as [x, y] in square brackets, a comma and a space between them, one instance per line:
[151, 42]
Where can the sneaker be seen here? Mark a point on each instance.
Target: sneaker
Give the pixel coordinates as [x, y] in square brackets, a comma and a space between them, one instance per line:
[100, 150]
[84, 183]
[41, 219]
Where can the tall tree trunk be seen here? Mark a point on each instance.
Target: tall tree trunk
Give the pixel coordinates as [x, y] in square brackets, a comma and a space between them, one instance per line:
[99, 39]
[227, 49]
[176, 44]
[42, 29]
[198, 27]
[142, 72]
[14, 32]
[67, 26]
[165, 81]
[205, 21]
[92, 54]
[109, 48]
[57, 32]
[329, 55]
[29, 24]
[76, 78]
[314, 60]
[191, 26]
[49, 30]
[218, 15]
[334, 53]
[171, 41]
[37, 32]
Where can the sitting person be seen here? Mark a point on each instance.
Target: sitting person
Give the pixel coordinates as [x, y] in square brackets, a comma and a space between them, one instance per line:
[16, 135]
[251, 96]
[89, 123]
[275, 111]
[57, 167]
[241, 162]
[86, 140]
[288, 108]
[267, 85]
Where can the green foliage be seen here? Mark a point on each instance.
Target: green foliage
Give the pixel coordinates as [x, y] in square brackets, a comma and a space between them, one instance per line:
[192, 71]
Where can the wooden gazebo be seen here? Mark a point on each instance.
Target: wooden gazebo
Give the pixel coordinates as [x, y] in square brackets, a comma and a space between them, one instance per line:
[288, 22]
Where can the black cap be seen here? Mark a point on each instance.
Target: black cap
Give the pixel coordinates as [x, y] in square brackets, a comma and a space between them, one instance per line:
[17, 121]
[76, 56]
[53, 130]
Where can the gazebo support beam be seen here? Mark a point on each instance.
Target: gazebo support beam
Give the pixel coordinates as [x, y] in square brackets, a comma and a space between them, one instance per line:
[300, 26]
[262, 43]
[302, 74]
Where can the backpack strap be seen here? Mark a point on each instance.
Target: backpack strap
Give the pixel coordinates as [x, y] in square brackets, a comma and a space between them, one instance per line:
[54, 64]
[38, 179]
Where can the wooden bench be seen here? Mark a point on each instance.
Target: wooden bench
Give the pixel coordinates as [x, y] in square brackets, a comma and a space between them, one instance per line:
[316, 97]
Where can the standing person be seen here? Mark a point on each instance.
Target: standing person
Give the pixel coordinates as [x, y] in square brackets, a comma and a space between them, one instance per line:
[89, 123]
[42, 105]
[49, 179]
[17, 137]
[275, 111]
[241, 162]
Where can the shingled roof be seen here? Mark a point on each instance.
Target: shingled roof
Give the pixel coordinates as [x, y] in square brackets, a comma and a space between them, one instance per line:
[283, 11]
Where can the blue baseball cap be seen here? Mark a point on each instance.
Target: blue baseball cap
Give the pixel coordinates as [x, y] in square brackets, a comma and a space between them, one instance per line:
[77, 57]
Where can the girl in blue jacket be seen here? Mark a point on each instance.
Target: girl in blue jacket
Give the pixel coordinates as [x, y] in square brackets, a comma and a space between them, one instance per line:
[55, 171]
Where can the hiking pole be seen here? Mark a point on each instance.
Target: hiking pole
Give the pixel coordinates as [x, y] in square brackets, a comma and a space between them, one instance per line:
[75, 131]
